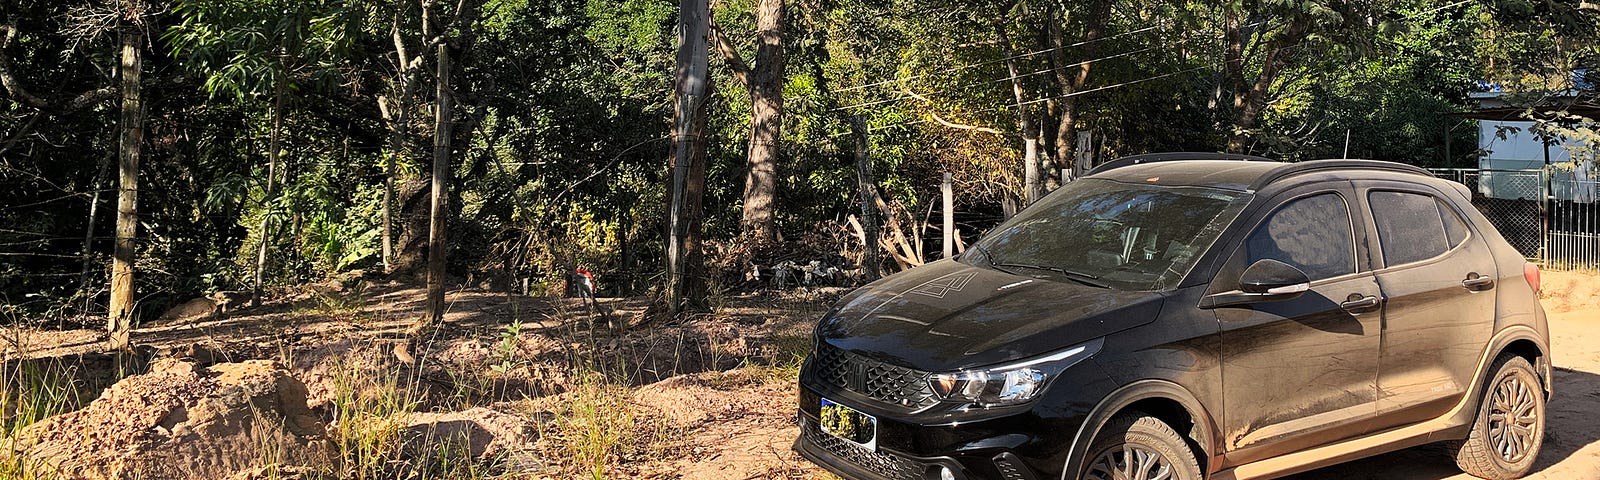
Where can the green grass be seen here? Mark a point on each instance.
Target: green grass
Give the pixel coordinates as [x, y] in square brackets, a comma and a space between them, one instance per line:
[30, 392]
[369, 410]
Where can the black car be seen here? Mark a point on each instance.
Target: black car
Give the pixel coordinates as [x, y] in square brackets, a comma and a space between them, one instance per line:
[1184, 316]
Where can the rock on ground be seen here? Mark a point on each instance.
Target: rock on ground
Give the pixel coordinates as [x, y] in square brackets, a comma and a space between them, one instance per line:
[479, 433]
[181, 421]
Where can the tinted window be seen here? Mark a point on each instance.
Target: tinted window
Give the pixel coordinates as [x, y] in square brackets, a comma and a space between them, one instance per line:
[1409, 226]
[1126, 236]
[1311, 233]
[1454, 227]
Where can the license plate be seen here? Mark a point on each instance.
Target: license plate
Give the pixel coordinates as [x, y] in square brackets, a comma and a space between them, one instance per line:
[849, 424]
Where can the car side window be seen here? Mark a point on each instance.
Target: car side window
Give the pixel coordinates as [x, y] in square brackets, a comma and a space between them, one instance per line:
[1311, 233]
[1410, 226]
[1455, 228]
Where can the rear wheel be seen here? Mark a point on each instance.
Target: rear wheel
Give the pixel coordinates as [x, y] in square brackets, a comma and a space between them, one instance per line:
[1135, 446]
[1509, 428]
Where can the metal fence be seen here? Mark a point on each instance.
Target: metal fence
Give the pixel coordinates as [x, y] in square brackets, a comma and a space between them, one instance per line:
[1549, 215]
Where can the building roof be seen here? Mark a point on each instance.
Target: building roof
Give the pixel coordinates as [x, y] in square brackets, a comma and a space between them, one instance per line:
[1503, 107]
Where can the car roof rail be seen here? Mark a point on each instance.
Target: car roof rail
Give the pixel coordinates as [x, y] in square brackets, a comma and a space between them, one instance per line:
[1172, 157]
[1291, 169]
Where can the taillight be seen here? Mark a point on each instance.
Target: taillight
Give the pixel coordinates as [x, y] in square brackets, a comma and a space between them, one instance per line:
[1531, 273]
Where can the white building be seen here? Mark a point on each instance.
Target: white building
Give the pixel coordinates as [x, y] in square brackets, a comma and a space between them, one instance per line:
[1513, 154]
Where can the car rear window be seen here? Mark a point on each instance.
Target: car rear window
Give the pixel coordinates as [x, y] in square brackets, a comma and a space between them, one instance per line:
[1410, 227]
[1454, 227]
[1312, 233]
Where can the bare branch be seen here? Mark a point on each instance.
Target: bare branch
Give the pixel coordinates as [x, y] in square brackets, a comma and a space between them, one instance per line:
[12, 142]
[725, 48]
[8, 79]
[948, 123]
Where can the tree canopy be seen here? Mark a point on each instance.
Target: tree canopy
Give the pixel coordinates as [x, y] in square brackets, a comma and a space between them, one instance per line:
[287, 114]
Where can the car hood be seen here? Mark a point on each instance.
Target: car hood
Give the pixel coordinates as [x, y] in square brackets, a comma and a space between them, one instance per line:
[949, 316]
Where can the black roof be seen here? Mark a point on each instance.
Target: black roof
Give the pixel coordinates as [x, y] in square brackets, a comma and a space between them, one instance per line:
[1233, 172]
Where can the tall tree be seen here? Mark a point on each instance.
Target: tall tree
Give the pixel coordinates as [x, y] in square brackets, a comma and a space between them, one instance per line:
[1031, 187]
[1073, 77]
[1261, 40]
[763, 81]
[397, 113]
[691, 78]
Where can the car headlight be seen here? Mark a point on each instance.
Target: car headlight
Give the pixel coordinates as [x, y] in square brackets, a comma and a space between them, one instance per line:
[1013, 383]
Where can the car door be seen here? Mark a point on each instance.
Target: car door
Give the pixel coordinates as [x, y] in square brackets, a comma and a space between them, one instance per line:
[1301, 372]
[1438, 277]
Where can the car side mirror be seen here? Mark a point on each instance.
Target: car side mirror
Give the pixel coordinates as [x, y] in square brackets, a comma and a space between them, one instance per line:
[1267, 280]
[1272, 277]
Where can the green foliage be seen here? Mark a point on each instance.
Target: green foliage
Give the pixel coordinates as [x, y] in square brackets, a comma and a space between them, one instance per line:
[565, 115]
[246, 47]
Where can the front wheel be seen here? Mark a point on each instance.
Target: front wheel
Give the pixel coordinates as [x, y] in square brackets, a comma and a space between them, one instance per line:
[1509, 428]
[1135, 446]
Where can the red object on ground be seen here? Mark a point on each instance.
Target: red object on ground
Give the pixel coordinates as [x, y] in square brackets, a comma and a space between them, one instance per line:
[588, 280]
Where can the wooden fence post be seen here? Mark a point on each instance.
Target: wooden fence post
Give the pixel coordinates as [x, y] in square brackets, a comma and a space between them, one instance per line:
[949, 216]
[869, 195]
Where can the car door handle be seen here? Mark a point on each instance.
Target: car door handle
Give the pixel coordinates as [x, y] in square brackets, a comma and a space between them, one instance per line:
[1359, 303]
[1477, 283]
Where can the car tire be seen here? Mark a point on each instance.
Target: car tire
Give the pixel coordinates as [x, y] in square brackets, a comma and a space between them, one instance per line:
[1492, 451]
[1137, 446]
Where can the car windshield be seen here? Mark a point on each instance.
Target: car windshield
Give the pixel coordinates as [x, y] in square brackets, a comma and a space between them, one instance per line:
[1111, 234]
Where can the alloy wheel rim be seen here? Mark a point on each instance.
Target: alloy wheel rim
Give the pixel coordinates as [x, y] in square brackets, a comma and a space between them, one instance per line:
[1130, 462]
[1513, 419]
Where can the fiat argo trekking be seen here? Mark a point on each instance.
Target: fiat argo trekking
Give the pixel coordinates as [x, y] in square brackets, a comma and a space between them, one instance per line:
[1188, 316]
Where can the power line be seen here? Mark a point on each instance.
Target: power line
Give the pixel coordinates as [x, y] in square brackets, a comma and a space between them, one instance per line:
[1082, 92]
[1048, 70]
[1003, 79]
[1425, 12]
[1021, 55]
[991, 62]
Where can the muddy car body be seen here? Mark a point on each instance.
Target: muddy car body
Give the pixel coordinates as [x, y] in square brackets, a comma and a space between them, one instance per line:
[1192, 316]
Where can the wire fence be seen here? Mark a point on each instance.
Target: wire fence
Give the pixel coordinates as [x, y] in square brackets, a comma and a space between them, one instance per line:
[1550, 215]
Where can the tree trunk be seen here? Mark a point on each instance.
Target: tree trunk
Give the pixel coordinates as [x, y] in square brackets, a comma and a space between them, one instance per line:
[265, 229]
[400, 124]
[1073, 80]
[396, 141]
[441, 176]
[88, 234]
[1030, 134]
[690, 79]
[869, 198]
[120, 318]
[1250, 96]
[766, 121]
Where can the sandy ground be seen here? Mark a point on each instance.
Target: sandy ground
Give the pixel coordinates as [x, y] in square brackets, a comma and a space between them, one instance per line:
[735, 424]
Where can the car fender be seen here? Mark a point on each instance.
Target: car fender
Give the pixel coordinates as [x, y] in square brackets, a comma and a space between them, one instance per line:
[1504, 338]
[1203, 432]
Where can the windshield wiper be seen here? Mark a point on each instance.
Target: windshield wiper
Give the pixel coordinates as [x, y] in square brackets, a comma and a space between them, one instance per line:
[1075, 276]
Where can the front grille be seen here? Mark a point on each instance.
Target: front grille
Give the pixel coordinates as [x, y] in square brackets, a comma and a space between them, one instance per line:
[888, 465]
[890, 384]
